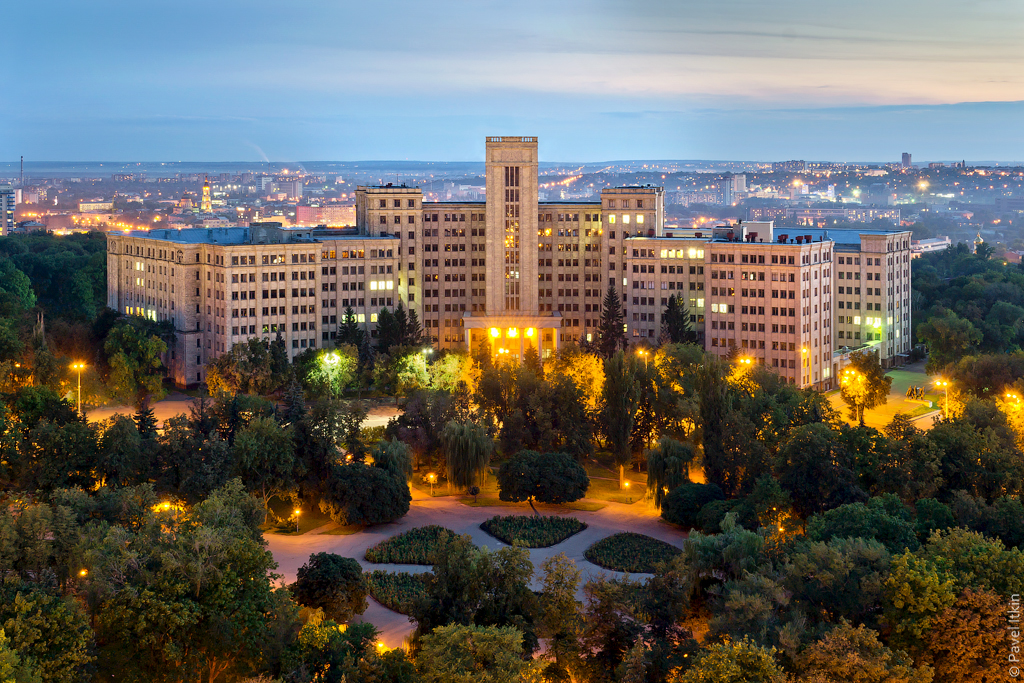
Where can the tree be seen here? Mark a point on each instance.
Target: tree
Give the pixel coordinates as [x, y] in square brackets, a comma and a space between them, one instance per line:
[553, 478]
[325, 373]
[915, 593]
[620, 399]
[12, 668]
[349, 331]
[585, 369]
[863, 384]
[971, 640]
[265, 458]
[668, 466]
[395, 457]
[814, 468]
[854, 654]
[472, 654]
[332, 583]
[675, 322]
[611, 331]
[561, 621]
[388, 334]
[145, 422]
[121, 459]
[136, 369]
[351, 421]
[362, 494]
[467, 449]
[734, 662]
[684, 502]
[949, 337]
[50, 634]
[857, 520]
[247, 369]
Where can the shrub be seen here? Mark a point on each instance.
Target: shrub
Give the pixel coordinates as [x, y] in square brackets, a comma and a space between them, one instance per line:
[683, 503]
[709, 519]
[416, 546]
[332, 583]
[630, 552]
[360, 494]
[396, 590]
[532, 531]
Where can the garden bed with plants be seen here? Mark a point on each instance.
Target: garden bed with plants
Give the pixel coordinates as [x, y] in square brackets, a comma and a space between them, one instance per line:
[416, 546]
[532, 531]
[396, 590]
[630, 552]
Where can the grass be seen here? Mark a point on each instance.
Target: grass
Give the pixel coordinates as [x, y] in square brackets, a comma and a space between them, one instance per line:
[311, 518]
[630, 552]
[395, 590]
[344, 530]
[532, 531]
[416, 546]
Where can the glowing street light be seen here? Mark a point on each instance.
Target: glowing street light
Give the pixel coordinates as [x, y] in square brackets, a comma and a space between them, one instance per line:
[432, 478]
[944, 385]
[297, 512]
[79, 367]
[645, 354]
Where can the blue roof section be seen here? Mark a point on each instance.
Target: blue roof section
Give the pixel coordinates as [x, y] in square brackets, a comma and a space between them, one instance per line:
[234, 235]
[840, 236]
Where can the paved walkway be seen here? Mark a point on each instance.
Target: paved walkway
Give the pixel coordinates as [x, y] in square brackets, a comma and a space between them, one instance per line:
[291, 552]
[177, 403]
[902, 379]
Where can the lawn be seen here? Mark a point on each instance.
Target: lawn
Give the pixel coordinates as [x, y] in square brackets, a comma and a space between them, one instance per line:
[310, 518]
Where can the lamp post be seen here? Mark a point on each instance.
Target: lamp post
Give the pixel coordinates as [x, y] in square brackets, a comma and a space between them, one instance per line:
[432, 478]
[79, 367]
[645, 354]
[331, 360]
[944, 385]
[297, 513]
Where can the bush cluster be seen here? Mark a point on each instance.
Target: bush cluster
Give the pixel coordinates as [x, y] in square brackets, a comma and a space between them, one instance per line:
[532, 531]
[396, 590]
[416, 546]
[630, 552]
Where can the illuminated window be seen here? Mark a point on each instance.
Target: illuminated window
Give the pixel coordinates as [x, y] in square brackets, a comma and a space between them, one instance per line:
[639, 218]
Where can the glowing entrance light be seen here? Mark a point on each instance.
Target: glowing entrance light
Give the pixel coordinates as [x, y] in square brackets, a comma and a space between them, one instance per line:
[495, 332]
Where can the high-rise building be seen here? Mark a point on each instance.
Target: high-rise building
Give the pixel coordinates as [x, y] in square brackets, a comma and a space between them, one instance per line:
[906, 160]
[7, 205]
[513, 272]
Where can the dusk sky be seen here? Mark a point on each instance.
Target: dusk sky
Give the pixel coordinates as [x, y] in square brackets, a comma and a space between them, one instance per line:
[156, 80]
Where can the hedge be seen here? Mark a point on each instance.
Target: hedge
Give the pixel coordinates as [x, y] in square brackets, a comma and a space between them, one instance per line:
[396, 590]
[532, 531]
[630, 552]
[416, 546]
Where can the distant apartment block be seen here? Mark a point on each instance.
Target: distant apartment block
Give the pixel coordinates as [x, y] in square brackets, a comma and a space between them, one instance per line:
[925, 246]
[8, 202]
[330, 215]
[95, 206]
[513, 272]
[822, 217]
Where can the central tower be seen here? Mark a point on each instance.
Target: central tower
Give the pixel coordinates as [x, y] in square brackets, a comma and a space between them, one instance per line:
[512, 225]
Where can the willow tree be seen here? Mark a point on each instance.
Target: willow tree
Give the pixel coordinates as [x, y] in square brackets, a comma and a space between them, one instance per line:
[621, 398]
[668, 466]
[467, 449]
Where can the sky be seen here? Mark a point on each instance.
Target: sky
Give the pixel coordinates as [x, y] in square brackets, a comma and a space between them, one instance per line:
[289, 80]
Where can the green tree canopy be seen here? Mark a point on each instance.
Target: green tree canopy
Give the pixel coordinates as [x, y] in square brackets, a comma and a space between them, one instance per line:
[554, 478]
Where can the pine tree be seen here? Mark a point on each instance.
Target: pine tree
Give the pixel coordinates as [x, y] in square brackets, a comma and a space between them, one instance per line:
[145, 422]
[675, 322]
[349, 332]
[401, 324]
[414, 333]
[611, 334]
[295, 402]
[278, 358]
[387, 331]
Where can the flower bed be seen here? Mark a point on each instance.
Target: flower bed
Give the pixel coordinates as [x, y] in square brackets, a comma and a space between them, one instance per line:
[395, 590]
[630, 552]
[532, 531]
[416, 546]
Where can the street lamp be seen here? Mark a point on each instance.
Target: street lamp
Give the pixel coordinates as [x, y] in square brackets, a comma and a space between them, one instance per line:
[944, 385]
[432, 478]
[79, 367]
[331, 360]
[297, 513]
[645, 354]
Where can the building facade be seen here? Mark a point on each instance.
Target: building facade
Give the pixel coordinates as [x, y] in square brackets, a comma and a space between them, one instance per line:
[513, 273]
[7, 206]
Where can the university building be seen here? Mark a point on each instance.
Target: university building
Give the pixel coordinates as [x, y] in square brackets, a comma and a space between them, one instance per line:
[513, 272]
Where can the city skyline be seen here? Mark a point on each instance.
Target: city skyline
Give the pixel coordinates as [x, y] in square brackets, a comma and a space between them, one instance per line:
[737, 81]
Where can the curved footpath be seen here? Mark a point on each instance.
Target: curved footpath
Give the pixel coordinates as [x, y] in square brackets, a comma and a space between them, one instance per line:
[291, 552]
